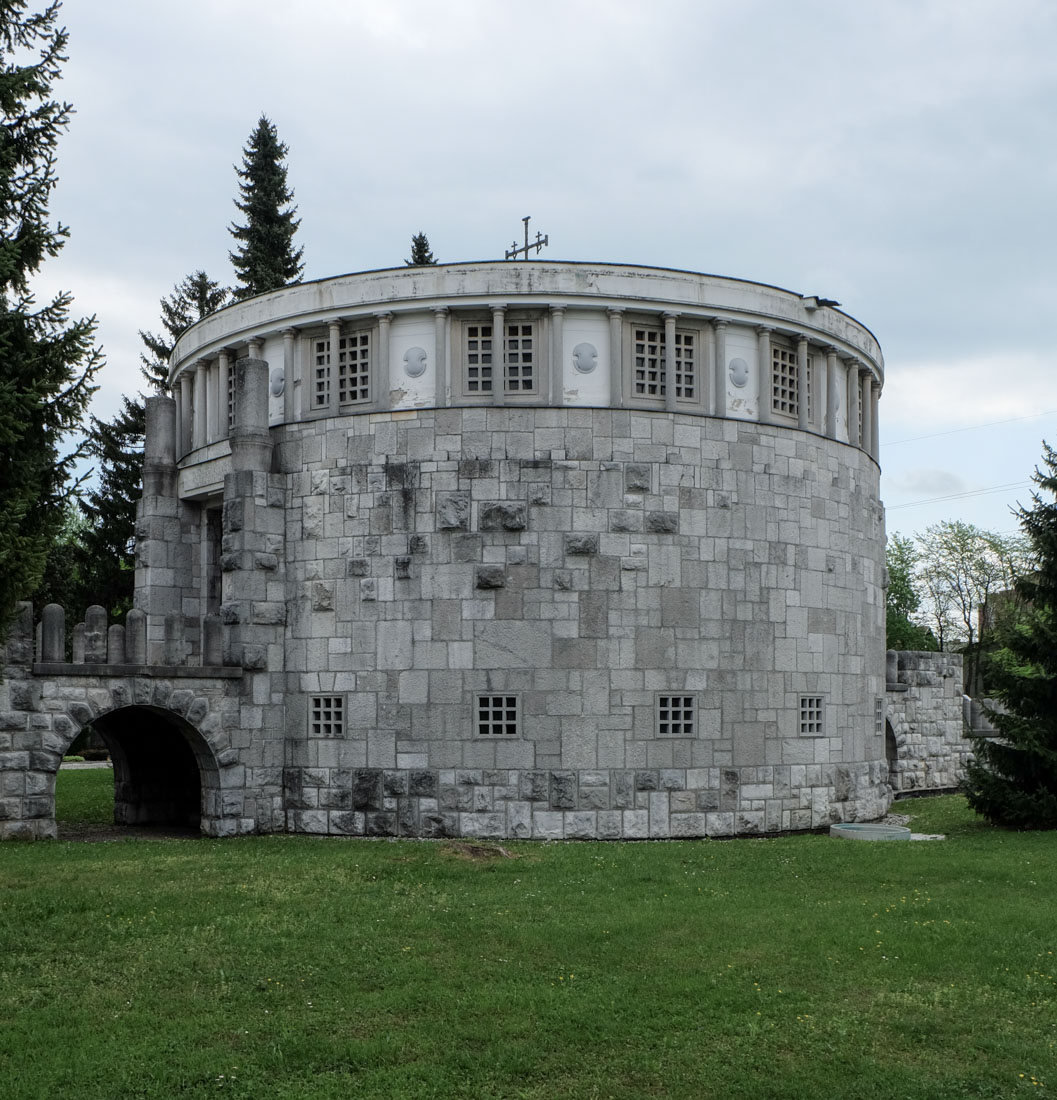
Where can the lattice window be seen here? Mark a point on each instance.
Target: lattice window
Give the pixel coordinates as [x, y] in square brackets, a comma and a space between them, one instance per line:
[326, 716]
[231, 398]
[478, 358]
[675, 715]
[321, 374]
[879, 715]
[812, 715]
[520, 358]
[648, 378]
[685, 371]
[785, 388]
[498, 716]
[354, 356]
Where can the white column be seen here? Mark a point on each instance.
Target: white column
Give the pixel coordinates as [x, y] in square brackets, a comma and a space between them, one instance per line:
[616, 358]
[289, 404]
[333, 369]
[852, 367]
[499, 356]
[380, 374]
[763, 373]
[875, 442]
[669, 361]
[831, 393]
[185, 411]
[201, 404]
[223, 388]
[719, 363]
[556, 376]
[440, 355]
[866, 381]
[803, 421]
[254, 348]
[213, 399]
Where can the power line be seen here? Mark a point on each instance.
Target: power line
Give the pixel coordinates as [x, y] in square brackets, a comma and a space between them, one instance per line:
[970, 428]
[960, 496]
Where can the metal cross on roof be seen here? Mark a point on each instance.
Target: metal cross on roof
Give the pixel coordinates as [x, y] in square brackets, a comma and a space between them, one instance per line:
[537, 244]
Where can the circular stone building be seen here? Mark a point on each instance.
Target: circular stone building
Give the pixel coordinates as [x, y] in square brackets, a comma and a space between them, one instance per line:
[528, 549]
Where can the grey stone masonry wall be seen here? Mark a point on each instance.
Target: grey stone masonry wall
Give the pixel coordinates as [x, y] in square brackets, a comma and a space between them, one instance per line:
[586, 563]
[925, 708]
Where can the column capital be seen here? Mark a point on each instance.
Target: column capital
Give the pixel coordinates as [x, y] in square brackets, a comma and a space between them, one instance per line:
[719, 322]
[671, 315]
[289, 332]
[614, 311]
[440, 311]
[558, 309]
[764, 329]
[384, 315]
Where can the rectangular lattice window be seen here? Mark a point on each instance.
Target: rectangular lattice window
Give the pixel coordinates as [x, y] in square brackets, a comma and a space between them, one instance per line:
[478, 358]
[321, 374]
[675, 715]
[685, 374]
[879, 715]
[354, 356]
[785, 387]
[497, 716]
[812, 715]
[648, 380]
[520, 358]
[231, 399]
[326, 716]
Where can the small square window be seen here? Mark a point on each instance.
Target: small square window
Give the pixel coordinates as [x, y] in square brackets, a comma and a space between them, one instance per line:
[676, 715]
[498, 716]
[326, 716]
[812, 715]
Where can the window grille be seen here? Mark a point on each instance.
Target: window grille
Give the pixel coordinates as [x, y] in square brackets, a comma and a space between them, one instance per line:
[685, 380]
[879, 715]
[785, 389]
[649, 362]
[675, 715]
[498, 716]
[321, 375]
[520, 358]
[231, 399]
[478, 358]
[326, 716]
[354, 353]
[812, 714]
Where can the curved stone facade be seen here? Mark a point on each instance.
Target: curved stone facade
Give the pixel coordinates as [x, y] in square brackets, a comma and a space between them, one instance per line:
[530, 549]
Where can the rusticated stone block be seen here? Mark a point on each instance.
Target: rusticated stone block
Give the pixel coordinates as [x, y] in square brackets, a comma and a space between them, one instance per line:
[422, 784]
[357, 567]
[490, 576]
[367, 789]
[563, 790]
[583, 543]
[662, 523]
[453, 511]
[503, 515]
[636, 477]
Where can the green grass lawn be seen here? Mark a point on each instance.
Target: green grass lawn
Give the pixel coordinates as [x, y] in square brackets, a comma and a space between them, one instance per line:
[304, 967]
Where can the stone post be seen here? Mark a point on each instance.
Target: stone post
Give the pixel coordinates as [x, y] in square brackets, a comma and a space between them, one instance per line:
[53, 634]
[77, 657]
[136, 637]
[251, 444]
[95, 628]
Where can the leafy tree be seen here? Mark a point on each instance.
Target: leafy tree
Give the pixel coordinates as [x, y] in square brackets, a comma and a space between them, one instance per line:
[48, 360]
[902, 598]
[963, 567]
[196, 297]
[1013, 779]
[265, 258]
[421, 254]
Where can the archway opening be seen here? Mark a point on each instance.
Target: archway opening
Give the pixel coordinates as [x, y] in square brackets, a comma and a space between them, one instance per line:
[160, 762]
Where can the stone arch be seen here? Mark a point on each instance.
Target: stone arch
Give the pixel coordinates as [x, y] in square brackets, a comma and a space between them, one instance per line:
[172, 759]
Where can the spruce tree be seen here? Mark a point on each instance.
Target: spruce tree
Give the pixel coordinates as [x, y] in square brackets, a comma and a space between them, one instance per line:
[265, 258]
[421, 254]
[1013, 779]
[48, 361]
[196, 297]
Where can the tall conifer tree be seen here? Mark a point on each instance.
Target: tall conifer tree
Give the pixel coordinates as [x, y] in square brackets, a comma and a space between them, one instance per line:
[265, 258]
[48, 360]
[1013, 780]
[421, 253]
[196, 297]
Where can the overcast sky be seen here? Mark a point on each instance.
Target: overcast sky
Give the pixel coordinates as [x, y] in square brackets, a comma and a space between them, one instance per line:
[900, 157]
